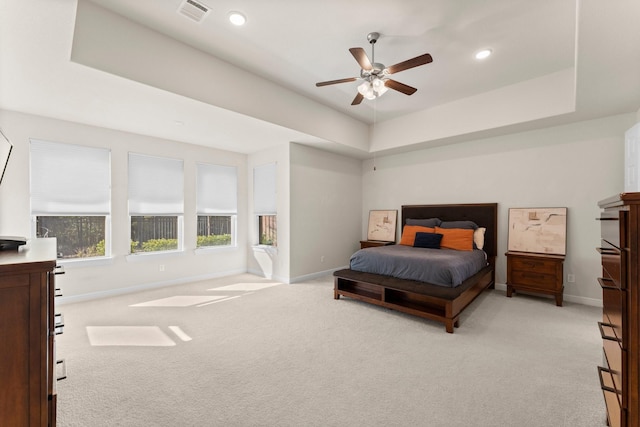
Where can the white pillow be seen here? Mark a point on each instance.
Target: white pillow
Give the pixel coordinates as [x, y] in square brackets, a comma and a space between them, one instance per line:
[478, 237]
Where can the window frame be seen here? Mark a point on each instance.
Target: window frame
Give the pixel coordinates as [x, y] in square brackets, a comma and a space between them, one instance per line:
[53, 159]
[166, 207]
[265, 199]
[223, 204]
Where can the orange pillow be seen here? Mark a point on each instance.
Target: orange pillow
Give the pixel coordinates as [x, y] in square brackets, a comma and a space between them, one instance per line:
[409, 233]
[456, 238]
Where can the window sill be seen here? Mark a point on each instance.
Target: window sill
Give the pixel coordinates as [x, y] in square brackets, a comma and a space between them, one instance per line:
[153, 255]
[265, 248]
[85, 262]
[204, 250]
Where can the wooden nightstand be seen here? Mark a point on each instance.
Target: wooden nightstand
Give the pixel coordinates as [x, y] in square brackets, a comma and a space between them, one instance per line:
[538, 273]
[374, 243]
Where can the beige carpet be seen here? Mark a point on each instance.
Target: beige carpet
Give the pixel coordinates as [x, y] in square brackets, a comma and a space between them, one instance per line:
[235, 352]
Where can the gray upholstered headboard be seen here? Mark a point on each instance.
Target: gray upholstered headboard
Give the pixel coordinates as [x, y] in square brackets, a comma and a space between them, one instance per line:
[483, 214]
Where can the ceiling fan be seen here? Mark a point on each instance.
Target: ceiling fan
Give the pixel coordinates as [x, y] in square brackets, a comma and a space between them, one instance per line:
[375, 75]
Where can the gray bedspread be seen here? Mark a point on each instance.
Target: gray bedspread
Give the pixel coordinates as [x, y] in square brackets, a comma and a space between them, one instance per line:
[444, 267]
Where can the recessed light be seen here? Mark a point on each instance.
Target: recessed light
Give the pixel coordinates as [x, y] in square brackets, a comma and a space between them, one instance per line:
[485, 53]
[237, 18]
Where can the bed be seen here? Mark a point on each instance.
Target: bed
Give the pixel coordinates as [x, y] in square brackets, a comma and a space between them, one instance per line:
[440, 302]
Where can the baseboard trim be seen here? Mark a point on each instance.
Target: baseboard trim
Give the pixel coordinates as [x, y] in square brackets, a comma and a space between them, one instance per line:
[593, 302]
[144, 286]
[317, 275]
[270, 277]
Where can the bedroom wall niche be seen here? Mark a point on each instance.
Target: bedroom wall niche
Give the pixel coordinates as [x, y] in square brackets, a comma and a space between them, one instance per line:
[572, 166]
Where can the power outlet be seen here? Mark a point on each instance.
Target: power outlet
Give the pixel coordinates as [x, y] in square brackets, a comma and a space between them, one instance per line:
[161, 268]
[571, 278]
[322, 258]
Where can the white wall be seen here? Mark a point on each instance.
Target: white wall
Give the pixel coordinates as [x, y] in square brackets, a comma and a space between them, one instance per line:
[121, 272]
[574, 166]
[326, 206]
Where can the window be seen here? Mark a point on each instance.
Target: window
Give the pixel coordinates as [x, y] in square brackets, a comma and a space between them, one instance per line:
[267, 230]
[216, 204]
[156, 200]
[71, 197]
[264, 203]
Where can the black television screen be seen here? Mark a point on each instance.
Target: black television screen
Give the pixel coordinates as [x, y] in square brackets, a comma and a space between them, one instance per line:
[5, 152]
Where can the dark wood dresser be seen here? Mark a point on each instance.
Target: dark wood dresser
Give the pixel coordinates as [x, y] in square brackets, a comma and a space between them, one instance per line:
[27, 335]
[620, 326]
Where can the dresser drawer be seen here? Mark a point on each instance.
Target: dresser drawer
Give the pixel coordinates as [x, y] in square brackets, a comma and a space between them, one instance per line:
[614, 354]
[610, 230]
[615, 413]
[612, 266]
[614, 303]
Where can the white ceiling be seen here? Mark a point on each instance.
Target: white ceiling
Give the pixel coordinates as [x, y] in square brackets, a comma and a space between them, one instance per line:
[295, 44]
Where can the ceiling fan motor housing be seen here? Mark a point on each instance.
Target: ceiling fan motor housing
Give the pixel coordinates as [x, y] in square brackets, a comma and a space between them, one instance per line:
[377, 70]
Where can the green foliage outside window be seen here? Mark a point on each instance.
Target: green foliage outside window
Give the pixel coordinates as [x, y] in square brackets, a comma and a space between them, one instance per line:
[214, 240]
[155, 245]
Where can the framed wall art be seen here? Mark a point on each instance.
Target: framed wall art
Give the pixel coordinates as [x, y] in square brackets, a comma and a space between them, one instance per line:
[382, 225]
[538, 230]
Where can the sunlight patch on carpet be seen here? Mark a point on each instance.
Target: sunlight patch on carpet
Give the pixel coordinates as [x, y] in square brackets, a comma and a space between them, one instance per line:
[221, 300]
[180, 333]
[245, 287]
[141, 336]
[179, 301]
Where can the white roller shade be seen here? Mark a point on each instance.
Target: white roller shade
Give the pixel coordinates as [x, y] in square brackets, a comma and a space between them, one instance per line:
[217, 191]
[69, 179]
[156, 185]
[264, 189]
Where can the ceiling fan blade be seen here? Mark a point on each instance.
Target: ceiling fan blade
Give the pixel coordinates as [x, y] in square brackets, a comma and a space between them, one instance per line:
[332, 82]
[361, 57]
[358, 99]
[410, 63]
[400, 87]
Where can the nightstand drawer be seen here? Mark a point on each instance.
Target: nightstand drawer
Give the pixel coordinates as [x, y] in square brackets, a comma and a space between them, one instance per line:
[542, 281]
[530, 265]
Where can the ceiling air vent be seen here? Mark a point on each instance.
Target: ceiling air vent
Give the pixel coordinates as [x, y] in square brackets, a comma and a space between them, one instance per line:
[193, 10]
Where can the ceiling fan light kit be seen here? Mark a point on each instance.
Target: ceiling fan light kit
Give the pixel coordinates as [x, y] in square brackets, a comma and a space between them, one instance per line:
[375, 75]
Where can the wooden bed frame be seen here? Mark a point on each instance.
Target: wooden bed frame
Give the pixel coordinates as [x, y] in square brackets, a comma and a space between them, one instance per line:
[424, 299]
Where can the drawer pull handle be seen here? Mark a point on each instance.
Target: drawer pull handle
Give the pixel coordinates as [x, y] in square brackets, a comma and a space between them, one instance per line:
[608, 251]
[58, 328]
[57, 292]
[63, 374]
[604, 387]
[607, 219]
[607, 283]
[59, 269]
[603, 334]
